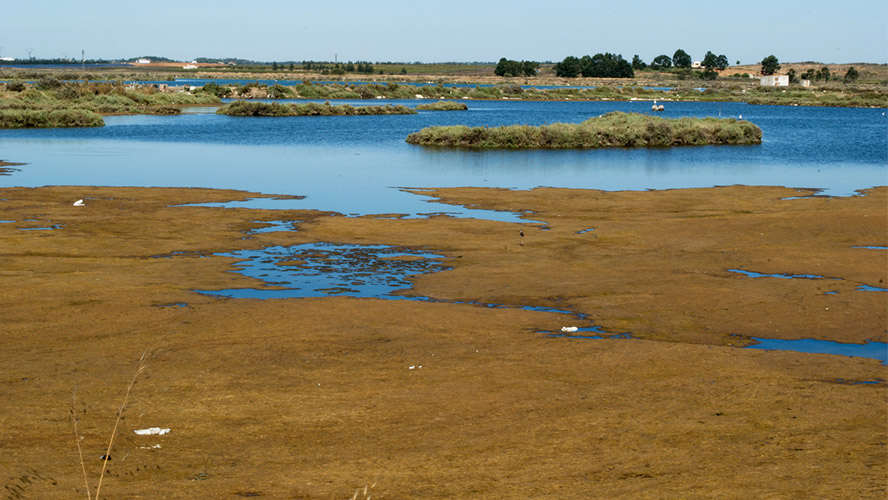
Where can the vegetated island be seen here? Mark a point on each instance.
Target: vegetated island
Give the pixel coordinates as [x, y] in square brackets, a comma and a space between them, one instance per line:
[612, 130]
[53, 103]
[244, 108]
[443, 106]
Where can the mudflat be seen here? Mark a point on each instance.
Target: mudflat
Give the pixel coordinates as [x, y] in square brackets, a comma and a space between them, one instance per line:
[322, 397]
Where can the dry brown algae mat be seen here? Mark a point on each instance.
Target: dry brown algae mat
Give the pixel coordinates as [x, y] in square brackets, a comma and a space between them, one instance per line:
[315, 397]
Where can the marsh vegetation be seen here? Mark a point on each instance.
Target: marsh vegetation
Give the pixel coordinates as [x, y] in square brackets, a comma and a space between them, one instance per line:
[244, 108]
[51, 102]
[611, 130]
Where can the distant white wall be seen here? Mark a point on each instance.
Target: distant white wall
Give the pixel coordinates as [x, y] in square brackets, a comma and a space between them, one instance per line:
[775, 81]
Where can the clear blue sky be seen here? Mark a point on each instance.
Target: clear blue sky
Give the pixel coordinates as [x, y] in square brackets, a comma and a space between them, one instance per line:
[451, 30]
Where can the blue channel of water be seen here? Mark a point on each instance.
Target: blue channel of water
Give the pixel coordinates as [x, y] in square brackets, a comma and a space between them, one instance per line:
[355, 164]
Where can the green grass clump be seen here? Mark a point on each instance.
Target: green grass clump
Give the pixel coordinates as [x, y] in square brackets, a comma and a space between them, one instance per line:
[36, 118]
[244, 108]
[443, 106]
[614, 129]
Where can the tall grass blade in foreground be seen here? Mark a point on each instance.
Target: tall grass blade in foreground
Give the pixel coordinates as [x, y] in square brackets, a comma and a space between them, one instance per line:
[140, 367]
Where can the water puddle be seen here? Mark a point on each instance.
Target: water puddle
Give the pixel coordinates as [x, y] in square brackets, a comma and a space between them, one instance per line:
[584, 231]
[874, 350]
[873, 248]
[328, 269]
[752, 274]
[274, 226]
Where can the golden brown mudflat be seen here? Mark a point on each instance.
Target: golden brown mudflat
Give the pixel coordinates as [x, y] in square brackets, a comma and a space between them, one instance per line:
[314, 398]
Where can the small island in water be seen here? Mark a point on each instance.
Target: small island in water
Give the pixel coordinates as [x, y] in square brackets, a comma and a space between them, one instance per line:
[244, 108]
[612, 130]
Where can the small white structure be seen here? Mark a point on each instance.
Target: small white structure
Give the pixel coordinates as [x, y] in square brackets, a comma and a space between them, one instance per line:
[189, 66]
[775, 81]
[143, 61]
[10, 59]
[806, 83]
[697, 65]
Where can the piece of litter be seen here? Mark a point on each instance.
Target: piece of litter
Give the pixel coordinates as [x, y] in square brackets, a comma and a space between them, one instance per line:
[149, 447]
[151, 431]
[569, 329]
[79, 203]
[412, 367]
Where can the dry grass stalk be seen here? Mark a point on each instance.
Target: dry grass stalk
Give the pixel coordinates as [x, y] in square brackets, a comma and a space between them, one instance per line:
[140, 367]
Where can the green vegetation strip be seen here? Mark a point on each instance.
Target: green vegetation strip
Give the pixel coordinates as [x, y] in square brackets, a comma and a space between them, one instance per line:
[607, 131]
[244, 108]
[443, 106]
[53, 103]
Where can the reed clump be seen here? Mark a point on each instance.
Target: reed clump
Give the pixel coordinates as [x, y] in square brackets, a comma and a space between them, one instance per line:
[244, 108]
[443, 106]
[616, 129]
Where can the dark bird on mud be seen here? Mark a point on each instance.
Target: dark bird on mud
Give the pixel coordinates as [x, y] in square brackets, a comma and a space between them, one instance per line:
[521, 232]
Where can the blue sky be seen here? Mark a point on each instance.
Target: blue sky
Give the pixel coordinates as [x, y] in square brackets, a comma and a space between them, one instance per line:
[451, 30]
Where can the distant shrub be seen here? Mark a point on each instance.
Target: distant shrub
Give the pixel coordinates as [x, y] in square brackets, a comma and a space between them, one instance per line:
[443, 106]
[15, 86]
[48, 83]
[215, 89]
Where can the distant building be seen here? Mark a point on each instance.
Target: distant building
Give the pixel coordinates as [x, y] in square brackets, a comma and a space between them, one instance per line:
[189, 66]
[7, 59]
[806, 83]
[696, 65]
[143, 61]
[775, 81]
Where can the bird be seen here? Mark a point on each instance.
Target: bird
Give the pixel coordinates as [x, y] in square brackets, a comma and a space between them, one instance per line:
[79, 203]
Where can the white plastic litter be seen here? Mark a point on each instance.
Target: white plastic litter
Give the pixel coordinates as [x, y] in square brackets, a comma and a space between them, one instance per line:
[79, 203]
[569, 329]
[151, 431]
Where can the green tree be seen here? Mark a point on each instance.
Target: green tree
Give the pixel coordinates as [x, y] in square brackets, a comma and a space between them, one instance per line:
[792, 75]
[710, 61]
[606, 65]
[770, 64]
[530, 68]
[721, 62]
[274, 66]
[568, 68]
[851, 75]
[681, 59]
[709, 74]
[637, 63]
[508, 67]
[809, 74]
[824, 74]
[661, 62]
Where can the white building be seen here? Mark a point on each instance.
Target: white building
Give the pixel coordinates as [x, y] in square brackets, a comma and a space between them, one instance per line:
[143, 61]
[775, 81]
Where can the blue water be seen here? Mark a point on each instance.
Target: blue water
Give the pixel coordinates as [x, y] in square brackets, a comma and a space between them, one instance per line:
[875, 350]
[354, 164]
[326, 269]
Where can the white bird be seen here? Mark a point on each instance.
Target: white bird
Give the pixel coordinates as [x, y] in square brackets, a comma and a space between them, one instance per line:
[569, 329]
[79, 203]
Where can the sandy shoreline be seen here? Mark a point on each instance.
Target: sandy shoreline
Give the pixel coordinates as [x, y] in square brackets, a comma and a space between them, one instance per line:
[315, 398]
